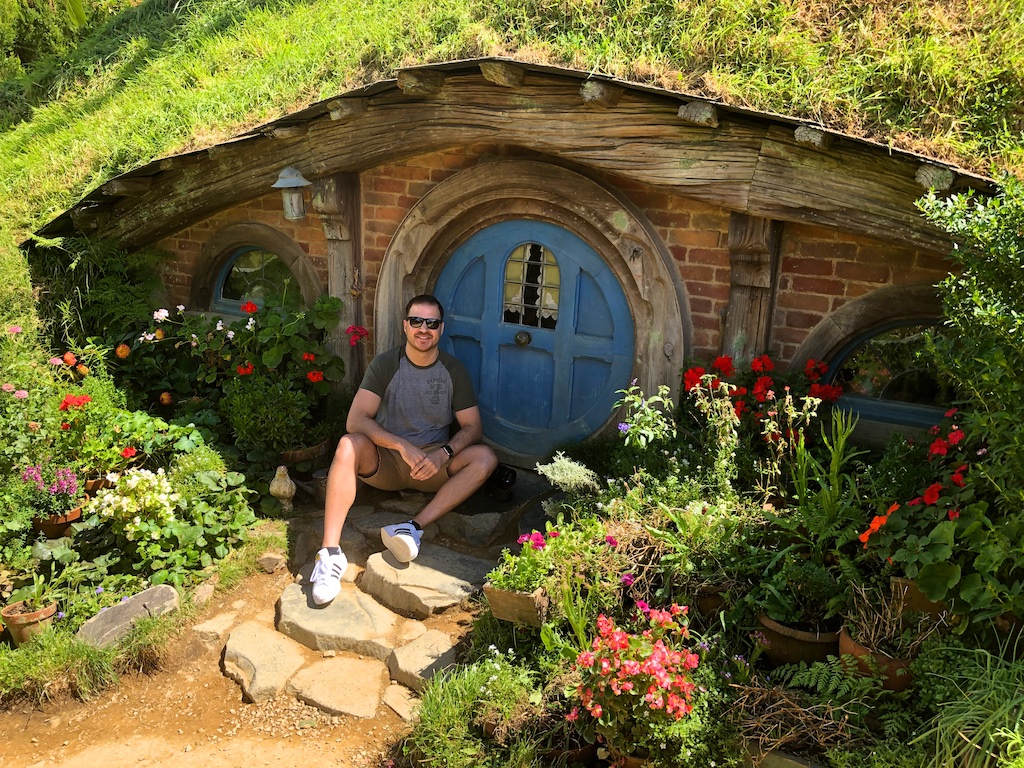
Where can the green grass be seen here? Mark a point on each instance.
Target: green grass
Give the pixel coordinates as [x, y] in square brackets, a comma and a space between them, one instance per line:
[942, 77]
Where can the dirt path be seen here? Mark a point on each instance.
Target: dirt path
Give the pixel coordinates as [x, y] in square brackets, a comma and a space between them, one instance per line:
[189, 715]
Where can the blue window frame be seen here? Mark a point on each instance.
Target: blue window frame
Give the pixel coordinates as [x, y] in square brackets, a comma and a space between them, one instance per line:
[887, 377]
[252, 273]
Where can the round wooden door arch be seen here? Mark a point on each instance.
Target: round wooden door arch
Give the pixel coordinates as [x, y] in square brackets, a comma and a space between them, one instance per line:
[492, 192]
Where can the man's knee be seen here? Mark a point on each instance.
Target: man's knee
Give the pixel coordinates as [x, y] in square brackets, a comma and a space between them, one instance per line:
[482, 459]
[351, 450]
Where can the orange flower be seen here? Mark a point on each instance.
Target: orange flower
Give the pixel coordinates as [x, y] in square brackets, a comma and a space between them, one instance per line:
[82, 368]
[69, 358]
[159, 333]
[122, 351]
[165, 398]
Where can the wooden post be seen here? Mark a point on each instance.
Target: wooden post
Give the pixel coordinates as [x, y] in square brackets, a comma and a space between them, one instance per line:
[336, 199]
[754, 263]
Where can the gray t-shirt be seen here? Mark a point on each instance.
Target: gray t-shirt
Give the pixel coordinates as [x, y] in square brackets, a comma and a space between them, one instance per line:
[418, 404]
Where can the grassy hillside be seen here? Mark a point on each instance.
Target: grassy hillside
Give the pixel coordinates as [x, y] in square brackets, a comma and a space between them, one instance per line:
[945, 77]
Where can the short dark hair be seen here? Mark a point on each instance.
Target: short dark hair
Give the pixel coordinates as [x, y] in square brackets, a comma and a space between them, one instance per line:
[424, 298]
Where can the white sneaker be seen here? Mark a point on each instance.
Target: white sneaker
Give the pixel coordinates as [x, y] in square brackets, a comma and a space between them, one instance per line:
[326, 576]
[403, 540]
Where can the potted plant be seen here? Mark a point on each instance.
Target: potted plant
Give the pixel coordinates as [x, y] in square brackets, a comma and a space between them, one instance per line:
[53, 495]
[30, 609]
[634, 685]
[883, 636]
[515, 589]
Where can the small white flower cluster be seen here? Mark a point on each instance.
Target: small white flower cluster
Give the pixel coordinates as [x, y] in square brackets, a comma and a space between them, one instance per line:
[140, 500]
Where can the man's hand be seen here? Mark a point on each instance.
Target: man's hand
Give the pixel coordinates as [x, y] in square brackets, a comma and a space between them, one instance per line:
[429, 465]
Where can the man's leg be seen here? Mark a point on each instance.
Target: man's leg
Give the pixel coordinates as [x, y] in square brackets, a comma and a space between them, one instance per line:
[466, 473]
[354, 456]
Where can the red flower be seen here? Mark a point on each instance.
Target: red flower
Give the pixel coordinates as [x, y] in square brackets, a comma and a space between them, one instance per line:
[951, 412]
[65, 425]
[740, 407]
[815, 369]
[955, 436]
[723, 364]
[829, 393]
[309, 357]
[958, 479]
[939, 447]
[931, 494]
[74, 401]
[762, 364]
[954, 514]
[915, 502]
[245, 370]
[761, 388]
[692, 378]
[128, 452]
[315, 376]
[250, 308]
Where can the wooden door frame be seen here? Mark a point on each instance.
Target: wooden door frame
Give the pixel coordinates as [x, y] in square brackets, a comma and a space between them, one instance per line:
[505, 189]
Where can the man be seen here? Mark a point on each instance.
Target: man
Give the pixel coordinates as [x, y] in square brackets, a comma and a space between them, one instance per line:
[398, 438]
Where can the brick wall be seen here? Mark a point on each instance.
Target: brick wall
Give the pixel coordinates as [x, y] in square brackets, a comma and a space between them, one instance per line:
[186, 246]
[821, 269]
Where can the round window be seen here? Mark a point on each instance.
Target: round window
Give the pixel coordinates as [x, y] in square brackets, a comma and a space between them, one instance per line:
[255, 274]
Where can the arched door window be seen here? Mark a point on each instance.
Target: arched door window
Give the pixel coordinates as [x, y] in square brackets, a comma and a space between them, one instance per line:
[886, 375]
[252, 273]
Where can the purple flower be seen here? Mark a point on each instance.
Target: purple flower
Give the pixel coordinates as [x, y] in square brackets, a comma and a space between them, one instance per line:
[60, 615]
[99, 590]
[623, 427]
[611, 541]
[627, 579]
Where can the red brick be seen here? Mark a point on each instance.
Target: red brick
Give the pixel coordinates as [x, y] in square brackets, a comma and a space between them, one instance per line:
[412, 172]
[792, 335]
[379, 198]
[703, 344]
[717, 222]
[867, 273]
[932, 262]
[420, 188]
[803, 320]
[712, 256]
[854, 290]
[810, 303]
[406, 201]
[390, 213]
[672, 219]
[820, 285]
[837, 302]
[795, 266]
[387, 184]
[699, 238]
[723, 275]
[703, 273]
[786, 352]
[706, 322]
[701, 306]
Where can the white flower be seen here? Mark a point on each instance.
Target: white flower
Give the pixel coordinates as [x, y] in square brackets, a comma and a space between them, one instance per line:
[251, 324]
[149, 336]
[220, 325]
[231, 334]
[181, 307]
[160, 315]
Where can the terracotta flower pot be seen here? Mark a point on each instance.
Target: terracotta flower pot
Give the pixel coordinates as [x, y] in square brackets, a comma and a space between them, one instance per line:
[97, 484]
[787, 645]
[528, 608]
[913, 598]
[895, 672]
[56, 526]
[623, 760]
[22, 626]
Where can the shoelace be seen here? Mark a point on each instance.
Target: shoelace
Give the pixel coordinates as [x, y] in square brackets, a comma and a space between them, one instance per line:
[321, 571]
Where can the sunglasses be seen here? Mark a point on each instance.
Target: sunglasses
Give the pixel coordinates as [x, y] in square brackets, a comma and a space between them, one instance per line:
[432, 322]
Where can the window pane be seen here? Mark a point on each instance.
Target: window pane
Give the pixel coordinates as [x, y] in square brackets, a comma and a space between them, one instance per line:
[531, 287]
[261, 276]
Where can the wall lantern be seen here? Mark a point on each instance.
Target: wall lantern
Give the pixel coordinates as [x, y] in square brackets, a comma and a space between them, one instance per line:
[291, 181]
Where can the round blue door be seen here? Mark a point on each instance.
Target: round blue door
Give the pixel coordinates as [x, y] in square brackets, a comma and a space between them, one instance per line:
[544, 328]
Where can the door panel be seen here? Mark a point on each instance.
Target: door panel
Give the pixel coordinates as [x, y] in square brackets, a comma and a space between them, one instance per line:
[544, 328]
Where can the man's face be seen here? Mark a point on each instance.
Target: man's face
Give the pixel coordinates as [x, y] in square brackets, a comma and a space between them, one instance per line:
[423, 338]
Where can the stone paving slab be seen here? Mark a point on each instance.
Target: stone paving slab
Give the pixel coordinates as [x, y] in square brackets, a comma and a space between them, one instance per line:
[433, 582]
[354, 622]
[113, 623]
[310, 535]
[403, 701]
[341, 686]
[370, 526]
[414, 664]
[260, 660]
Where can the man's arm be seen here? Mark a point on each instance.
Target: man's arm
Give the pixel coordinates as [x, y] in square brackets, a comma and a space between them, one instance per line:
[362, 418]
[471, 431]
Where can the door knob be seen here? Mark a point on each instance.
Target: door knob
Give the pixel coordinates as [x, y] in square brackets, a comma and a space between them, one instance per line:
[523, 339]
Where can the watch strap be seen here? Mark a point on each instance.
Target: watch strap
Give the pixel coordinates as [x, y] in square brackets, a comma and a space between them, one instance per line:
[448, 449]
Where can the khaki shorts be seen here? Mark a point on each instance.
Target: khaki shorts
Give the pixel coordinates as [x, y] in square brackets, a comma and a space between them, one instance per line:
[393, 473]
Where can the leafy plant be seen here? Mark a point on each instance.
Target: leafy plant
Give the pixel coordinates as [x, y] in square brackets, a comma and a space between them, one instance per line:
[877, 620]
[646, 419]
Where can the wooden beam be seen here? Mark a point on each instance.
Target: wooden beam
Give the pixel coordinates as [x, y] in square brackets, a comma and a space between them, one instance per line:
[420, 82]
[502, 73]
[699, 113]
[288, 131]
[754, 278]
[90, 218]
[127, 187]
[810, 136]
[179, 161]
[344, 109]
[600, 93]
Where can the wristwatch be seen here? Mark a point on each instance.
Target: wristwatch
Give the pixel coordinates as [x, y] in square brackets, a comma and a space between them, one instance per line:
[448, 449]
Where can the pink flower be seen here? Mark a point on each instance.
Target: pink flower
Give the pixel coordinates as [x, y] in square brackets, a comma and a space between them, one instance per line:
[627, 579]
[21, 394]
[523, 538]
[574, 715]
[55, 361]
[537, 540]
[7, 387]
[14, 329]
[611, 541]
